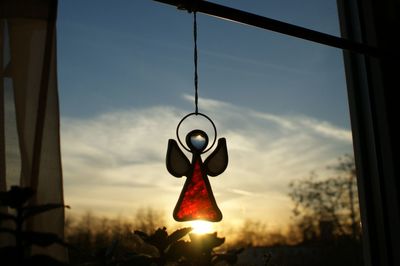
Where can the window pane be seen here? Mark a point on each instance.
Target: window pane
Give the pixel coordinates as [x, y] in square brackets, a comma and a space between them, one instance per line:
[281, 103]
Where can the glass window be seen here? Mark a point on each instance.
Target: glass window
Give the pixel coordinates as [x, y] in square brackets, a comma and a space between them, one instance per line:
[126, 80]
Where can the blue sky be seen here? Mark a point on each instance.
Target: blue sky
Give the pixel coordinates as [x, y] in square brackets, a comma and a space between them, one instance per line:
[126, 78]
[139, 53]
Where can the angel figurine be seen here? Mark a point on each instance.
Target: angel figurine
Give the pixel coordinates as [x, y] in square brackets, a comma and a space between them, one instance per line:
[196, 201]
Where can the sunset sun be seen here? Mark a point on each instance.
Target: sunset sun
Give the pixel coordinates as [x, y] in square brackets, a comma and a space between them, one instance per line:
[202, 227]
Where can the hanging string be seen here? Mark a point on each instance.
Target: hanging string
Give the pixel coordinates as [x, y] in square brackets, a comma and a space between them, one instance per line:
[196, 78]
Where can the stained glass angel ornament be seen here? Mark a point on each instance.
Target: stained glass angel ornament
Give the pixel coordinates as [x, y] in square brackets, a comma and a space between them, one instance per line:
[196, 201]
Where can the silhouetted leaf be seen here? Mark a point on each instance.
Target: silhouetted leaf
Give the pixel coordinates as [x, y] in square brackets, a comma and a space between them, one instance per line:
[142, 235]
[177, 250]
[158, 239]
[16, 197]
[6, 216]
[178, 234]
[42, 239]
[34, 210]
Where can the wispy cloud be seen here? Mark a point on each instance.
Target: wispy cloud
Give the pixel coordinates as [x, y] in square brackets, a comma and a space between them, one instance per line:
[119, 157]
[327, 129]
[208, 104]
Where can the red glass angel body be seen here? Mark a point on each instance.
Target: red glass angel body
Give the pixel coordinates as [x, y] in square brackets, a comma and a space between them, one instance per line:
[196, 201]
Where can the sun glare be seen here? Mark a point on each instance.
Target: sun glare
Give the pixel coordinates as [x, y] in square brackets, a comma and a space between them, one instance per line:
[202, 227]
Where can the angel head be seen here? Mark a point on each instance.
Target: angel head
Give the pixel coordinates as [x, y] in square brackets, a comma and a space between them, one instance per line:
[197, 140]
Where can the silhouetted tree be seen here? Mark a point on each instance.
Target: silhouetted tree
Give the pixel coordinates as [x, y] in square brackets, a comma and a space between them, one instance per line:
[256, 233]
[148, 219]
[325, 207]
[91, 234]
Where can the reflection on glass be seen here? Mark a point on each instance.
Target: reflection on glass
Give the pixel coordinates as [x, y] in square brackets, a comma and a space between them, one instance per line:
[198, 141]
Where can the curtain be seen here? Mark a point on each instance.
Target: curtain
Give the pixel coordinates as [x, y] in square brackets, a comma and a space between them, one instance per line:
[29, 110]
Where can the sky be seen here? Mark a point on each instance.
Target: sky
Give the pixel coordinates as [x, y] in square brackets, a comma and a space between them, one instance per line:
[125, 72]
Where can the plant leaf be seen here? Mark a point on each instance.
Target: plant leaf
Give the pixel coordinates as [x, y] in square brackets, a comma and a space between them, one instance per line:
[7, 216]
[16, 197]
[142, 235]
[42, 239]
[158, 239]
[34, 210]
[178, 234]
[178, 250]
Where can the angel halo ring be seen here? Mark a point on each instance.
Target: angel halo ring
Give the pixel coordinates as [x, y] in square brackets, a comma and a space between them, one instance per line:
[196, 137]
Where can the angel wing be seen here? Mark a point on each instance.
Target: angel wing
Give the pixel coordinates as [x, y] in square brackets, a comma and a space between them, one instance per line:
[217, 162]
[177, 163]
